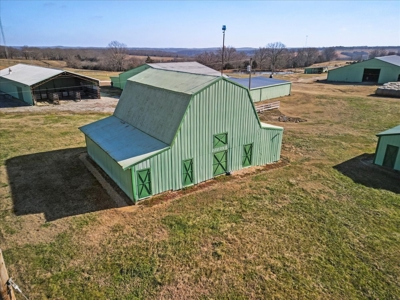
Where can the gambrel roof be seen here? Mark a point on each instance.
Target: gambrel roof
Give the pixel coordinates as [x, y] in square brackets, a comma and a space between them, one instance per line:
[149, 114]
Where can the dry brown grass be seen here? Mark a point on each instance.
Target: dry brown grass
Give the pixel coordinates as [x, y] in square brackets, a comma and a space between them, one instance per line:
[306, 230]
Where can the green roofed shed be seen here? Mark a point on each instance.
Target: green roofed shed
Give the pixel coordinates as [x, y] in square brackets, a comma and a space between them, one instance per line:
[172, 129]
[387, 150]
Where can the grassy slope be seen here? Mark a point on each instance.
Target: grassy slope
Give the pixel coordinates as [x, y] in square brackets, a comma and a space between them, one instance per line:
[302, 231]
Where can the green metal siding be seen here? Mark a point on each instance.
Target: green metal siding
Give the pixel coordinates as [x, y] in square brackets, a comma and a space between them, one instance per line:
[354, 72]
[120, 81]
[271, 92]
[122, 178]
[221, 107]
[381, 149]
[11, 88]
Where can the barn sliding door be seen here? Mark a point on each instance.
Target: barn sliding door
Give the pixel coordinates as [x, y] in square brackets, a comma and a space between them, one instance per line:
[144, 183]
[220, 162]
[247, 155]
[187, 172]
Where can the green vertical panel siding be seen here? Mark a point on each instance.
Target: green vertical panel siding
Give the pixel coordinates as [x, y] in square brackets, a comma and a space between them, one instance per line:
[354, 72]
[222, 107]
[123, 77]
[381, 150]
[271, 92]
[10, 87]
[115, 82]
[122, 178]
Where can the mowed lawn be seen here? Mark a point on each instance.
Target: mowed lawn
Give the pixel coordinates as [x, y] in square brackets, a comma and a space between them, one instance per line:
[326, 225]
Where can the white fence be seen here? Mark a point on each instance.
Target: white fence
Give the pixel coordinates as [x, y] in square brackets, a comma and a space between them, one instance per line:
[267, 106]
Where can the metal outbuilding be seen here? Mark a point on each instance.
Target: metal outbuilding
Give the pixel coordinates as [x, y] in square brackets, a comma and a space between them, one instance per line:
[174, 129]
[387, 152]
[315, 70]
[32, 83]
[263, 88]
[376, 70]
[186, 67]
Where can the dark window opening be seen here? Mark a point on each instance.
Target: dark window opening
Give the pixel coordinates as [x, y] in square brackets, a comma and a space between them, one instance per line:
[390, 156]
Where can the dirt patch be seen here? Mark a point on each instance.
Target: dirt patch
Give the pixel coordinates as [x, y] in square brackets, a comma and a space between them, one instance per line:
[277, 115]
[107, 104]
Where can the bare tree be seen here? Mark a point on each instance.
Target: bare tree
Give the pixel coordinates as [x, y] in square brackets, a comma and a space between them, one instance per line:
[275, 53]
[311, 56]
[329, 54]
[116, 55]
[261, 57]
[377, 53]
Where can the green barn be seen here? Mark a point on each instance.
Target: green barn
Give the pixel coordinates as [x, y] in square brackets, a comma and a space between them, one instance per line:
[32, 83]
[376, 70]
[315, 70]
[387, 152]
[187, 67]
[172, 129]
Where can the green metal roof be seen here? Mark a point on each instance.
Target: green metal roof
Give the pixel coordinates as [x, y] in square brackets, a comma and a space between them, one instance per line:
[155, 111]
[174, 81]
[126, 144]
[186, 67]
[391, 131]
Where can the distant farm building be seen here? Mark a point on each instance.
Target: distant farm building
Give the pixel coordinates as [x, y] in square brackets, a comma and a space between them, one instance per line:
[376, 70]
[186, 67]
[387, 152]
[315, 70]
[173, 129]
[263, 88]
[33, 83]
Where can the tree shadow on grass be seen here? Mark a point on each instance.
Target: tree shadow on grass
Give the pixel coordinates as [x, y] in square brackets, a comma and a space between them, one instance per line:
[362, 170]
[56, 183]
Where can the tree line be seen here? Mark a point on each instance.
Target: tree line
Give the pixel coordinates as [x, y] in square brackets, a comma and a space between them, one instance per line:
[118, 57]
[273, 57]
[115, 57]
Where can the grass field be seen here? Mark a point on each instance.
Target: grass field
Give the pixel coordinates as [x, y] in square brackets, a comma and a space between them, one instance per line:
[324, 226]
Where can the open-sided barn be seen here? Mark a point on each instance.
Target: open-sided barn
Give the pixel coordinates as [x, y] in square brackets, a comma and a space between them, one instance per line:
[263, 88]
[172, 129]
[387, 150]
[32, 83]
[376, 70]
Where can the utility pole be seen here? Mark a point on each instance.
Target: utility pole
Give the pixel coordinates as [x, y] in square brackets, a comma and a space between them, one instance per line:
[250, 73]
[6, 291]
[223, 47]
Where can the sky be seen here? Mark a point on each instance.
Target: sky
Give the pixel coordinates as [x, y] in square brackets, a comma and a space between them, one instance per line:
[197, 24]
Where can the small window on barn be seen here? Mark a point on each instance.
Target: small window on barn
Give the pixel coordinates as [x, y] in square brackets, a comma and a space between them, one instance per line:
[220, 140]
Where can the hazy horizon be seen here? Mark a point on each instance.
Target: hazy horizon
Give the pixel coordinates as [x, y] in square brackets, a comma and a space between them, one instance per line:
[197, 24]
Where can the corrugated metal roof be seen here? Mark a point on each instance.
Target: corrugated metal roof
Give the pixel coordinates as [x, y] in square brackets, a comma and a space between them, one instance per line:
[173, 81]
[155, 111]
[391, 59]
[126, 144]
[394, 130]
[28, 75]
[186, 67]
[258, 82]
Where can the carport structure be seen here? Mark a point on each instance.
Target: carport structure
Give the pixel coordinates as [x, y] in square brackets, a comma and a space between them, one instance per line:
[32, 83]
